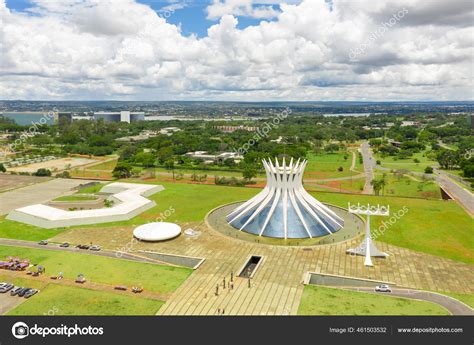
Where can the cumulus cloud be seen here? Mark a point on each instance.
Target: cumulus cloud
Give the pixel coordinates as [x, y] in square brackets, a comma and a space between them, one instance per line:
[246, 8]
[120, 49]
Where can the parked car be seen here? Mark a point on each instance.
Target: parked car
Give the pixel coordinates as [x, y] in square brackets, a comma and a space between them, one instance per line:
[2, 284]
[23, 292]
[82, 246]
[43, 242]
[383, 288]
[30, 293]
[64, 245]
[95, 247]
[6, 288]
[15, 290]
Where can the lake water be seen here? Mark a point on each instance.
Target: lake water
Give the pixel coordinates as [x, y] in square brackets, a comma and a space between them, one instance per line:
[29, 118]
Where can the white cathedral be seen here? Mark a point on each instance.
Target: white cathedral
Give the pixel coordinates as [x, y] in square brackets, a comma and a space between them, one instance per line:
[283, 209]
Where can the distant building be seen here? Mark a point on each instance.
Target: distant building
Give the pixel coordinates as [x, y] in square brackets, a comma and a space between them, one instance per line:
[122, 116]
[169, 130]
[410, 123]
[219, 158]
[231, 129]
[63, 117]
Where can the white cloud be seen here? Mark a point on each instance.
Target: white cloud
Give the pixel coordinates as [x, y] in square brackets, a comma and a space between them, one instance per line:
[245, 8]
[119, 49]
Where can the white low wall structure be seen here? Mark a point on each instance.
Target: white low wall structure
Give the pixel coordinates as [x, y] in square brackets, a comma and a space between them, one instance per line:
[130, 199]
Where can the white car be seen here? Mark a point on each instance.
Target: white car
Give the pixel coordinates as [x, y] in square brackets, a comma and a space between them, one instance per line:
[383, 288]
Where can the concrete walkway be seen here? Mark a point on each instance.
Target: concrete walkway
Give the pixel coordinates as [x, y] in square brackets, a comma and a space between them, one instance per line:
[37, 193]
[454, 306]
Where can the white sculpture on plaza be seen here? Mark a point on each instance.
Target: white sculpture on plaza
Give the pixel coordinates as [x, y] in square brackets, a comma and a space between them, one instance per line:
[367, 248]
[283, 209]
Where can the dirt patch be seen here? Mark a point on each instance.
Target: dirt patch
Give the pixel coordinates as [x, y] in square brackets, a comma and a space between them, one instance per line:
[54, 165]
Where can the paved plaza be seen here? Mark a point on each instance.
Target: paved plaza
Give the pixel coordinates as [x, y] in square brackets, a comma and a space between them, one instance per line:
[277, 286]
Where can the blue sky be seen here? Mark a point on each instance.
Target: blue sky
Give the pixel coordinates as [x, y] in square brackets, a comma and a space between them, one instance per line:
[191, 17]
[313, 50]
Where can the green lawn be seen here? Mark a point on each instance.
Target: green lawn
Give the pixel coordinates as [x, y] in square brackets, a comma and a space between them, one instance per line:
[21, 231]
[392, 162]
[91, 190]
[158, 278]
[76, 198]
[465, 298]
[427, 226]
[56, 299]
[325, 165]
[110, 165]
[406, 186]
[318, 300]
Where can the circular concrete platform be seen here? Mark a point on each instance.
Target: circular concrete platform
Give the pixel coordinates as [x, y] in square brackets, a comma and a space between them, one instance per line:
[158, 231]
[353, 226]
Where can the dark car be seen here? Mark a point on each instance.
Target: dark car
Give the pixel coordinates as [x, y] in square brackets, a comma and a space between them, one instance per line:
[64, 245]
[23, 292]
[15, 290]
[82, 246]
[6, 288]
[31, 293]
[43, 242]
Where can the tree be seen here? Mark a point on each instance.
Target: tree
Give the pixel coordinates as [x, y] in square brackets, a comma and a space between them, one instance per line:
[2, 168]
[122, 170]
[428, 170]
[330, 148]
[169, 165]
[42, 172]
[448, 159]
[249, 171]
[146, 159]
[378, 184]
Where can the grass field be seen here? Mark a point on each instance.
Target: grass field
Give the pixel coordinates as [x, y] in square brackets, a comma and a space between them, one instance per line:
[325, 165]
[427, 226]
[353, 186]
[16, 230]
[157, 278]
[411, 187]
[76, 198]
[91, 190]
[108, 165]
[66, 300]
[392, 162]
[465, 298]
[318, 300]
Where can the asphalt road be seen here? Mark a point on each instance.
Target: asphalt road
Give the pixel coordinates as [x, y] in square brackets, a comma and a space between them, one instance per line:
[461, 195]
[369, 165]
[454, 306]
[55, 246]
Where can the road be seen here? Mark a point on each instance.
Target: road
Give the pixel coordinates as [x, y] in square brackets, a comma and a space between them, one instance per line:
[461, 195]
[454, 306]
[369, 165]
[106, 253]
